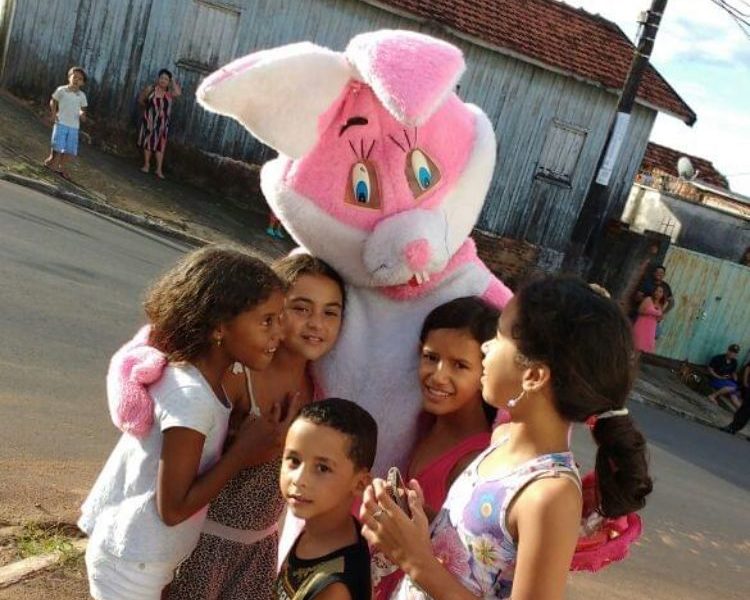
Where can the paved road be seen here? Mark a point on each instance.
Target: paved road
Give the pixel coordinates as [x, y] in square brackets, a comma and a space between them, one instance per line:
[71, 286]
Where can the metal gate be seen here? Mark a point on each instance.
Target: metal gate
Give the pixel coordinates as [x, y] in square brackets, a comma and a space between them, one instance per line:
[712, 307]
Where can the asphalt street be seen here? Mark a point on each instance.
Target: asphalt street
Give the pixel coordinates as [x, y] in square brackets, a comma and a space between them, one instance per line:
[72, 283]
[72, 286]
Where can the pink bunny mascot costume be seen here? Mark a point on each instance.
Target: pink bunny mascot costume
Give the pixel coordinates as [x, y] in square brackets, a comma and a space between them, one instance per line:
[382, 171]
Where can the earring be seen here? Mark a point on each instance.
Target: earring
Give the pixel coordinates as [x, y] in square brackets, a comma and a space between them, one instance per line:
[514, 401]
[219, 341]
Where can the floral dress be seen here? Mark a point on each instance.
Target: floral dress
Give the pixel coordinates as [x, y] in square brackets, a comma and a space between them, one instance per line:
[470, 535]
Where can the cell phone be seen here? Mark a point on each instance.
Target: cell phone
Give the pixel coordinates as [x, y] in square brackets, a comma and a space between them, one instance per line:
[397, 489]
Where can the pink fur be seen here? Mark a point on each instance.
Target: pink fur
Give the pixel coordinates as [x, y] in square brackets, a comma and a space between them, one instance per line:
[411, 73]
[497, 293]
[325, 174]
[465, 254]
[132, 369]
[417, 253]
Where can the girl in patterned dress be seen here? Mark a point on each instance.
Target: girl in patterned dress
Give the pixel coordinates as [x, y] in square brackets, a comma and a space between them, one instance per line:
[457, 421]
[156, 101]
[563, 353]
[237, 552]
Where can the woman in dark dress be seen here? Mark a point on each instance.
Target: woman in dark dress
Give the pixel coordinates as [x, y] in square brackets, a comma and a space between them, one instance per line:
[156, 102]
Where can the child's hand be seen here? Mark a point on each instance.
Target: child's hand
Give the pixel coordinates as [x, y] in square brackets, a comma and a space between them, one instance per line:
[261, 439]
[404, 540]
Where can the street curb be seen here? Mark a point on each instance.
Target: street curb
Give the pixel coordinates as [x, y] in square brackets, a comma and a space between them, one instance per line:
[680, 413]
[17, 571]
[103, 208]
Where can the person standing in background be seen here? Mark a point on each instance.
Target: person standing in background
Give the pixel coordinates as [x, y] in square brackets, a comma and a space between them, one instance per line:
[156, 102]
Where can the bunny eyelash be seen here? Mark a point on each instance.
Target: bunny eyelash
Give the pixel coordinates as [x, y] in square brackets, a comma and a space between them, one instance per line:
[409, 143]
[395, 141]
[361, 154]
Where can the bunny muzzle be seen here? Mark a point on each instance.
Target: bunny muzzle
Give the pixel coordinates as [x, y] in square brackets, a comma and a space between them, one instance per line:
[409, 247]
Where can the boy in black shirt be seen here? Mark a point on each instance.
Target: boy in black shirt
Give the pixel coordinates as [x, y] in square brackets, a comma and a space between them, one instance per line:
[723, 375]
[329, 451]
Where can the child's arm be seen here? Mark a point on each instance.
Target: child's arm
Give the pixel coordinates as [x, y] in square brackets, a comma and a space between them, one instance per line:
[176, 89]
[546, 516]
[53, 108]
[143, 95]
[181, 492]
[335, 591]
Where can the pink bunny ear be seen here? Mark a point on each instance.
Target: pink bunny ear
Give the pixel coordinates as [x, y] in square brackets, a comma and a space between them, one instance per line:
[132, 369]
[411, 73]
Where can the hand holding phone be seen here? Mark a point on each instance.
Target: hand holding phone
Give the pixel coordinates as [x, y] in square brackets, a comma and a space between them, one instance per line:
[397, 489]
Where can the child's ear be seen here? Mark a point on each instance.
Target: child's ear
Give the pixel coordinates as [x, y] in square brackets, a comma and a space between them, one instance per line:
[535, 377]
[364, 478]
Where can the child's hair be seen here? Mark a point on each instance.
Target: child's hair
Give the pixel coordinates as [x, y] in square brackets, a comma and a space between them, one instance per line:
[166, 72]
[295, 265]
[472, 314]
[585, 340]
[80, 70]
[204, 289]
[350, 419]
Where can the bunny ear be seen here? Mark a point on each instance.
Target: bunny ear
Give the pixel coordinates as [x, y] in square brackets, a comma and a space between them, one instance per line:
[411, 73]
[279, 94]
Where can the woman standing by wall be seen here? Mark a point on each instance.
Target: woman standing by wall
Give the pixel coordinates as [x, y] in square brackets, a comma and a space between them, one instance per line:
[650, 312]
[156, 102]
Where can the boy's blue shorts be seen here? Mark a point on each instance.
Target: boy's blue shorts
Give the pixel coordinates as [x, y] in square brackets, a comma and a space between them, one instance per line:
[718, 384]
[65, 139]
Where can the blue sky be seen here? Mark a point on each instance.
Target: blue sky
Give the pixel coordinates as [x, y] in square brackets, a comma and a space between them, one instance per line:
[705, 57]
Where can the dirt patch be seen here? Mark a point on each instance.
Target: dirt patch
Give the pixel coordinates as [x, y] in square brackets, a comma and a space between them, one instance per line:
[65, 581]
[44, 491]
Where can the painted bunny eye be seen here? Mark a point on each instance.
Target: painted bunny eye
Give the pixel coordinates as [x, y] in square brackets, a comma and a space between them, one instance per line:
[421, 169]
[363, 186]
[421, 172]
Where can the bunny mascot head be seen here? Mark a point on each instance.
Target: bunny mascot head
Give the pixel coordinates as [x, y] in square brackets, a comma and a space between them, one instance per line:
[382, 172]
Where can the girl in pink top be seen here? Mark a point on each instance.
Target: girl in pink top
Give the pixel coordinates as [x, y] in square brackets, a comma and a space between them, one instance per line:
[649, 314]
[456, 419]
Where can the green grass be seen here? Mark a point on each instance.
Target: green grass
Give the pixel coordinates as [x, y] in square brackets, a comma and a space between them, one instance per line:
[35, 540]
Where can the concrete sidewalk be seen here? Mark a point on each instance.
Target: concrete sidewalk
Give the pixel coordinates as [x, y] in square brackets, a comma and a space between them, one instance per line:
[115, 185]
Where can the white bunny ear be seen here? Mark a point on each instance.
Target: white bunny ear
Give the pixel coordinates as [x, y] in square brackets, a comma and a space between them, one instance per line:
[279, 94]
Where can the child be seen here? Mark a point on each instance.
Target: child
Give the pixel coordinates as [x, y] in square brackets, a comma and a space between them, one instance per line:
[68, 105]
[329, 451]
[144, 514]
[450, 372]
[563, 353]
[236, 555]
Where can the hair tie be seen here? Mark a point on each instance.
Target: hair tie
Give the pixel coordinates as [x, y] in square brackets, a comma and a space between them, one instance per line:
[607, 414]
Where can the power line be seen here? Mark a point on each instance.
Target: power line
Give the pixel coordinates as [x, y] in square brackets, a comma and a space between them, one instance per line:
[740, 17]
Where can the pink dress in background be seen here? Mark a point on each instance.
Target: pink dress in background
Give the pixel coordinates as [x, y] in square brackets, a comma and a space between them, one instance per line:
[644, 328]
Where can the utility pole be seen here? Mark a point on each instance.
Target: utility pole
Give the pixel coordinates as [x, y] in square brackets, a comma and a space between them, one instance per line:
[589, 223]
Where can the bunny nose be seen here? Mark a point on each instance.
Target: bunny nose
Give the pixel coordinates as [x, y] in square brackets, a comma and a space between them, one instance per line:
[417, 254]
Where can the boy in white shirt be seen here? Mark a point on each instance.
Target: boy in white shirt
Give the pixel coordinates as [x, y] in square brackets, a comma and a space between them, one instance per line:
[68, 105]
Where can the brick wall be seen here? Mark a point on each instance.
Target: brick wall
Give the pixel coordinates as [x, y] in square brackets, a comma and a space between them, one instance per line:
[514, 260]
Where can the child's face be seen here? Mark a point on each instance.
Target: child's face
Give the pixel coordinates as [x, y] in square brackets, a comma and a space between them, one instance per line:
[317, 476]
[253, 336]
[450, 370]
[312, 316]
[75, 79]
[502, 373]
